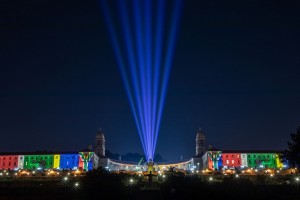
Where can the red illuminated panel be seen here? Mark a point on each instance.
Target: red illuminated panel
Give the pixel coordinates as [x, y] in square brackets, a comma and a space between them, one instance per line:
[80, 165]
[210, 163]
[231, 159]
[8, 162]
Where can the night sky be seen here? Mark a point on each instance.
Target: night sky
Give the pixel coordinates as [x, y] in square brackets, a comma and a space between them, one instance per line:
[235, 74]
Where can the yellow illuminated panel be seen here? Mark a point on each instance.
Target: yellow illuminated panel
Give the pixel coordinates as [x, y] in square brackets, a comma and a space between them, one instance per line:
[56, 161]
[279, 164]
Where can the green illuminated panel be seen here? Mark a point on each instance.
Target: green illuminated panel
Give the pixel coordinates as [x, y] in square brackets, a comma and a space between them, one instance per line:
[38, 161]
[264, 160]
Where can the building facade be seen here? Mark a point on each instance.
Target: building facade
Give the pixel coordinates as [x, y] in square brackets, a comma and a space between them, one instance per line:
[200, 143]
[84, 160]
[9, 161]
[232, 159]
[211, 158]
[100, 144]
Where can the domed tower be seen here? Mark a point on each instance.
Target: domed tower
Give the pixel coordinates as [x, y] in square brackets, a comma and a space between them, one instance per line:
[100, 144]
[200, 143]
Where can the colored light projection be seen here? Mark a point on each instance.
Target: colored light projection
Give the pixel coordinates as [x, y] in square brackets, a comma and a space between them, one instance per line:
[69, 161]
[38, 161]
[279, 163]
[265, 160]
[143, 35]
[217, 159]
[214, 159]
[85, 160]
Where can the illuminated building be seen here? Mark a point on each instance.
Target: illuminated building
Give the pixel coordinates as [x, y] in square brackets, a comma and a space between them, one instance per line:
[279, 164]
[200, 143]
[34, 161]
[8, 161]
[211, 159]
[127, 166]
[238, 159]
[200, 149]
[100, 144]
[20, 162]
[262, 159]
[120, 166]
[85, 160]
[68, 161]
[232, 159]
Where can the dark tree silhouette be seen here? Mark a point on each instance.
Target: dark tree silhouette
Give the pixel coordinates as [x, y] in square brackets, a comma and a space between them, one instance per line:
[293, 152]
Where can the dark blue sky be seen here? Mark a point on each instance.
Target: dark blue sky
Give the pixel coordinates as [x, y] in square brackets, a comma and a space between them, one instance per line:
[235, 74]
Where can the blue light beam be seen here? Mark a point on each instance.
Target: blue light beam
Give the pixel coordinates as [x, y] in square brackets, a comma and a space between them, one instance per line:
[144, 49]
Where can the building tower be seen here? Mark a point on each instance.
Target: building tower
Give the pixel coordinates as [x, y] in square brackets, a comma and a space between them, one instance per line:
[200, 143]
[100, 144]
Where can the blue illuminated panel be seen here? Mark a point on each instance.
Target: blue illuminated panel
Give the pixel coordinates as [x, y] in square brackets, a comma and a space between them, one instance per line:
[69, 161]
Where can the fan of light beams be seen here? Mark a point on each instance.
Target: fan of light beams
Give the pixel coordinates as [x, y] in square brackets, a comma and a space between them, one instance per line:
[143, 35]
